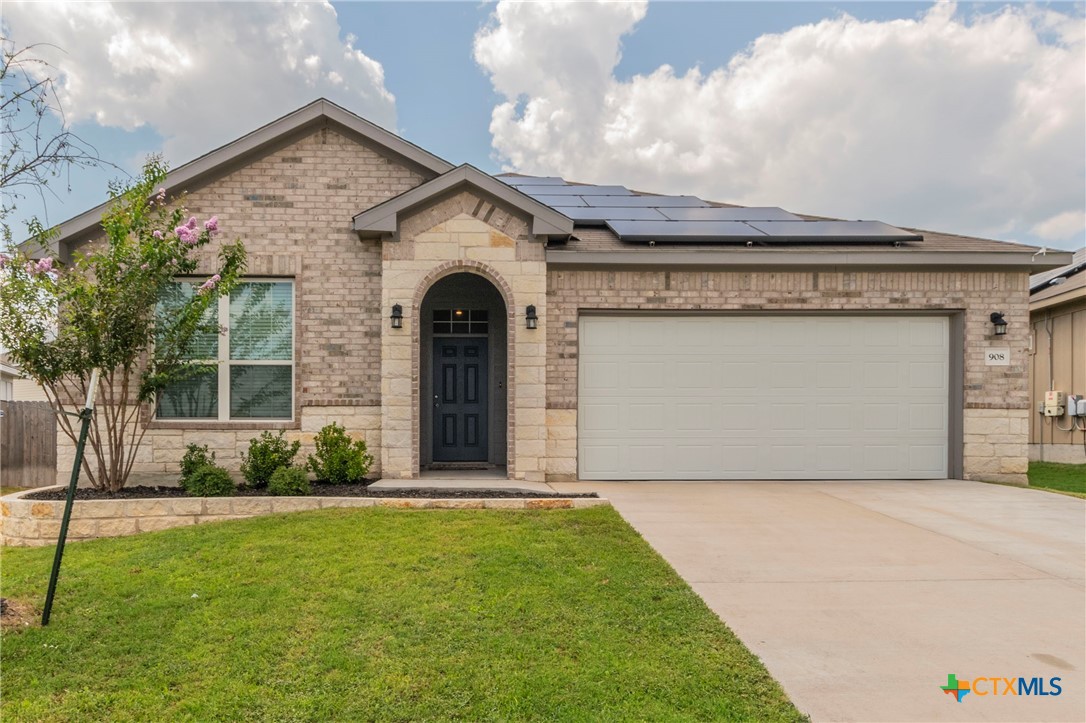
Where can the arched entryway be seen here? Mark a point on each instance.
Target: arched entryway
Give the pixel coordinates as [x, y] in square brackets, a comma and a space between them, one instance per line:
[463, 374]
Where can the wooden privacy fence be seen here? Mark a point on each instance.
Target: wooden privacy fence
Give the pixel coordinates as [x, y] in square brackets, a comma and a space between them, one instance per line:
[28, 444]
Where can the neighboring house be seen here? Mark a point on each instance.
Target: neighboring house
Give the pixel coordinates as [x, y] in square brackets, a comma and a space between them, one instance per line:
[17, 388]
[1057, 315]
[558, 331]
[8, 375]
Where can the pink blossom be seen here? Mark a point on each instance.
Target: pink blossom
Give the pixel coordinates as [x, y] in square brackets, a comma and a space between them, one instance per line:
[4, 259]
[186, 234]
[191, 223]
[209, 284]
[43, 266]
[157, 234]
[212, 224]
[143, 267]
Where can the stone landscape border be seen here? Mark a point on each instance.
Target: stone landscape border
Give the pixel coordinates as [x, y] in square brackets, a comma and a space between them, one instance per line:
[35, 523]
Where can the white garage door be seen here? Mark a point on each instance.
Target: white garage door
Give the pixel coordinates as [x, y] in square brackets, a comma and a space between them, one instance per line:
[763, 397]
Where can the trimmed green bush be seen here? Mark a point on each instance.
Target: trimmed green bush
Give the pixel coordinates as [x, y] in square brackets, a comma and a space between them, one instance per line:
[267, 453]
[339, 459]
[289, 481]
[210, 481]
[195, 457]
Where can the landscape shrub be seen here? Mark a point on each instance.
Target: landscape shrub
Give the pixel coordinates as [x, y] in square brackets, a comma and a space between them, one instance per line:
[339, 459]
[267, 453]
[210, 481]
[195, 457]
[289, 481]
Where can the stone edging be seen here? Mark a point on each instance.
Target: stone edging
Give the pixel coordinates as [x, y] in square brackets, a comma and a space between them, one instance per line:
[34, 523]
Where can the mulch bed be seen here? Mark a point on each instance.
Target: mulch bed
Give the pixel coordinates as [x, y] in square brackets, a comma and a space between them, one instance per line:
[319, 490]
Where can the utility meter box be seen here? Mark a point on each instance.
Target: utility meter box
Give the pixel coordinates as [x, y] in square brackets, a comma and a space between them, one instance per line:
[1054, 404]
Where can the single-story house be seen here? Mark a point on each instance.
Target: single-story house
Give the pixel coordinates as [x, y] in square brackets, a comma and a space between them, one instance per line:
[1057, 317]
[567, 331]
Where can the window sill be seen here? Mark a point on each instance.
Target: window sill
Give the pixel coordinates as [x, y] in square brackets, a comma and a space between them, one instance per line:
[215, 424]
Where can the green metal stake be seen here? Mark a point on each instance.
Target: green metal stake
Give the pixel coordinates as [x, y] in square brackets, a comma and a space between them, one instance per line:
[85, 414]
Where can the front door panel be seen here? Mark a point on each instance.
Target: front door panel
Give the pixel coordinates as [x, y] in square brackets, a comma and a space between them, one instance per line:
[460, 399]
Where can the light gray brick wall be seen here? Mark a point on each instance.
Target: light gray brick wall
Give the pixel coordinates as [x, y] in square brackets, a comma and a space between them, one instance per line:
[292, 208]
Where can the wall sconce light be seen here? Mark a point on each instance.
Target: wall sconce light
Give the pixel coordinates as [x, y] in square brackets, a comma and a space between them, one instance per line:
[530, 317]
[998, 323]
[397, 316]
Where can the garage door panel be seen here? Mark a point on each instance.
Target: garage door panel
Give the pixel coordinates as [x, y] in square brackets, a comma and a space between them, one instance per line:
[763, 397]
[927, 418]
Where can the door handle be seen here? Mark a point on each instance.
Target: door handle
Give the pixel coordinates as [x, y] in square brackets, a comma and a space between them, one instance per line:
[436, 402]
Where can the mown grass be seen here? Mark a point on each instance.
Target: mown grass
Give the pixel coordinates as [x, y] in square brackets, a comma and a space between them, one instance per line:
[374, 614]
[1067, 478]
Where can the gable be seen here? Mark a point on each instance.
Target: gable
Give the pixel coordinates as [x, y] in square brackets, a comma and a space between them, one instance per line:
[385, 218]
[321, 115]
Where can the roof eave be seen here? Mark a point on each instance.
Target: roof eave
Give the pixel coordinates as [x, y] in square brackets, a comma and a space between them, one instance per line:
[745, 257]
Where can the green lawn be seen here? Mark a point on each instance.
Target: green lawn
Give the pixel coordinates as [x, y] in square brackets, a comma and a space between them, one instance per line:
[377, 614]
[1068, 478]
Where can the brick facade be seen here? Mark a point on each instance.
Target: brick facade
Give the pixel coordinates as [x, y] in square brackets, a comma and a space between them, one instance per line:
[292, 209]
[996, 398]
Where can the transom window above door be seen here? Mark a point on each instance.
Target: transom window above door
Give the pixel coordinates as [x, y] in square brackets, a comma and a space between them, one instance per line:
[461, 321]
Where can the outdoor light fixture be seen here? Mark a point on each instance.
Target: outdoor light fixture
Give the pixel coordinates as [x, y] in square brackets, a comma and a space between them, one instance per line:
[397, 316]
[530, 317]
[999, 323]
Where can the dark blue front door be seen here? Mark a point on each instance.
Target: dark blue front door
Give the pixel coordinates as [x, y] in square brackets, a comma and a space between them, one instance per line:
[460, 399]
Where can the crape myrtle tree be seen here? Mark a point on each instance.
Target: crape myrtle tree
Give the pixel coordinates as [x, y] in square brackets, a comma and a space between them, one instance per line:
[117, 306]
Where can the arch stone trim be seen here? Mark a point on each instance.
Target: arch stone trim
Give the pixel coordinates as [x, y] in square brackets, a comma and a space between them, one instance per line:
[439, 272]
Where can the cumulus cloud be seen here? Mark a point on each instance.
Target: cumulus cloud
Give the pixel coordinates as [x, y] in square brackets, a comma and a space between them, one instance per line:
[200, 74]
[973, 124]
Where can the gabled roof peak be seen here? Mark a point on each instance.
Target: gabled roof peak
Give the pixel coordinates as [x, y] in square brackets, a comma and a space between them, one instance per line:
[318, 113]
[384, 217]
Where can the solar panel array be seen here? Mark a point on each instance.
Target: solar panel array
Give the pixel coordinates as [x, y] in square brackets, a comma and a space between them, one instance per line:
[639, 218]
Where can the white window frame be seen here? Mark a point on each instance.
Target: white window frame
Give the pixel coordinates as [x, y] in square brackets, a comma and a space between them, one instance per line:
[224, 362]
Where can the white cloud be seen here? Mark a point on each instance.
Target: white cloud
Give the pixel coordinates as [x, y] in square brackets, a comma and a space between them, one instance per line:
[200, 74]
[975, 124]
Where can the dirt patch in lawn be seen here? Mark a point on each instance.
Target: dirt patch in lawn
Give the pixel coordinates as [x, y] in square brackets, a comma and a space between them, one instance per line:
[16, 615]
[319, 490]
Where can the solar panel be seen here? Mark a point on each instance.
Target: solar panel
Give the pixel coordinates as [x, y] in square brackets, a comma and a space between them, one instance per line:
[561, 202]
[769, 213]
[599, 215]
[533, 180]
[834, 231]
[684, 230]
[647, 201]
[575, 190]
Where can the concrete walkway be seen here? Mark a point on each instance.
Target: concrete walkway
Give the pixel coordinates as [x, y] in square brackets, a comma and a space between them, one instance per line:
[861, 597]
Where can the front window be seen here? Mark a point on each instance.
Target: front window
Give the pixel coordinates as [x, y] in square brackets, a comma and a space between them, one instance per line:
[254, 376]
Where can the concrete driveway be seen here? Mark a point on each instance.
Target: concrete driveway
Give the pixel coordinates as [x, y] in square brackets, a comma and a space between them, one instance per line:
[861, 597]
